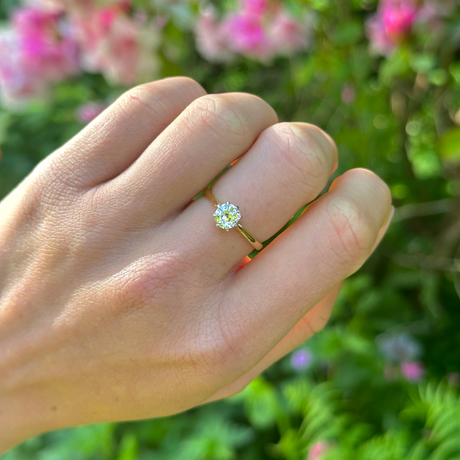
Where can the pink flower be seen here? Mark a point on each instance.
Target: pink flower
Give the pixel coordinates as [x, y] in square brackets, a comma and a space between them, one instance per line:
[391, 24]
[89, 111]
[117, 52]
[398, 18]
[17, 85]
[381, 42]
[264, 37]
[289, 35]
[256, 7]
[49, 5]
[37, 52]
[247, 35]
[120, 47]
[72, 5]
[34, 21]
[348, 94]
[412, 371]
[431, 14]
[258, 30]
[212, 39]
[318, 450]
[48, 49]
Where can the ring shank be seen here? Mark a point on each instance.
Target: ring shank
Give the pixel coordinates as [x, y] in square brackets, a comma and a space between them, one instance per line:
[209, 195]
[255, 243]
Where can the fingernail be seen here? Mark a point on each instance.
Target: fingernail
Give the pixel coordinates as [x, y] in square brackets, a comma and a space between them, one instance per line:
[384, 229]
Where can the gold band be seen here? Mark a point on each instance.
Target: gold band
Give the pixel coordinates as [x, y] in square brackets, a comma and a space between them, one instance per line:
[256, 244]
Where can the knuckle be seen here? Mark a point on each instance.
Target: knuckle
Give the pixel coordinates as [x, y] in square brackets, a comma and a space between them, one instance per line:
[186, 84]
[149, 97]
[57, 174]
[164, 99]
[149, 279]
[352, 230]
[306, 157]
[217, 114]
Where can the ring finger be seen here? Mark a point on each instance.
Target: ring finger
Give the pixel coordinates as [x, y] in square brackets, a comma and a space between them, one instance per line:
[287, 167]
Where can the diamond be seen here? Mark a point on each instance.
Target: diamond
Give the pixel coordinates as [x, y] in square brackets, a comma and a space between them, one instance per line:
[227, 216]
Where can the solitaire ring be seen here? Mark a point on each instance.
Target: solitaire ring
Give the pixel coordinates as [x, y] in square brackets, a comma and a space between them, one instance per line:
[227, 216]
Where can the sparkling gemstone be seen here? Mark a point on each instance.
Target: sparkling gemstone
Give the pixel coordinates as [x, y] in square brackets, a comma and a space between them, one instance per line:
[227, 215]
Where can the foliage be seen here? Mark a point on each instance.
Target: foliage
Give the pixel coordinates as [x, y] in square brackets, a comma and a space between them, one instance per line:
[396, 113]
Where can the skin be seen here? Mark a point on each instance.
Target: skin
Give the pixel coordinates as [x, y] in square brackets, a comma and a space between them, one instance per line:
[119, 297]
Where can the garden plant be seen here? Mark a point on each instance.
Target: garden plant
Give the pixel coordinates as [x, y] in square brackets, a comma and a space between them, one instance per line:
[382, 380]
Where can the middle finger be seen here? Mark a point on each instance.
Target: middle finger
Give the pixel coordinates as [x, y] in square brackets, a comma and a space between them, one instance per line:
[207, 136]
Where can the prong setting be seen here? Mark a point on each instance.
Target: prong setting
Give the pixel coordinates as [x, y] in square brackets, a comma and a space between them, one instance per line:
[227, 216]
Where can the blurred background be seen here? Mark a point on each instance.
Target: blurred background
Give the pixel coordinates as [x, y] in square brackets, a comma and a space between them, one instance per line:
[383, 78]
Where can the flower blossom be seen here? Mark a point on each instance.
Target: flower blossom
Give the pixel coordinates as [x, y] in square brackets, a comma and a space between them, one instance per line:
[413, 371]
[48, 49]
[260, 30]
[51, 40]
[395, 20]
[247, 35]
[391, 24]
[120, 47]
[211, 38]
[69, 5]
[318, 450]
[348, 94]
[289, 35]
[398, 18]
[36, 52]
[301, 359]
[399, 347]
[17, 85]
[256, 7]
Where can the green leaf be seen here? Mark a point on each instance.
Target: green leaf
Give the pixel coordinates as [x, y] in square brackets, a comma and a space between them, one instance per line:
[4, 124]
[129, 447]
[348, 33]
[261, 403]
[397, 65]
[449, 145]
[423, 63]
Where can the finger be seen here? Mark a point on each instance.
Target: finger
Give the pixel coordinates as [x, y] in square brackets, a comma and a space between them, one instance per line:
[329, 242]
[115, 139]
[384, 229]
[212, 132]
[287, 167]
[311, 323]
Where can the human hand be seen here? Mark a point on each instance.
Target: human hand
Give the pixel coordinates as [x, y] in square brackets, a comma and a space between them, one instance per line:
[119, 297]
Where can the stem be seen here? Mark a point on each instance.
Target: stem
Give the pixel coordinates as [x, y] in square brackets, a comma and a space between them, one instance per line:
[409, 211]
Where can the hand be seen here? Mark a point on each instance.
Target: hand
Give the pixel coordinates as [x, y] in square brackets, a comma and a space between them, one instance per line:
[119, 297]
